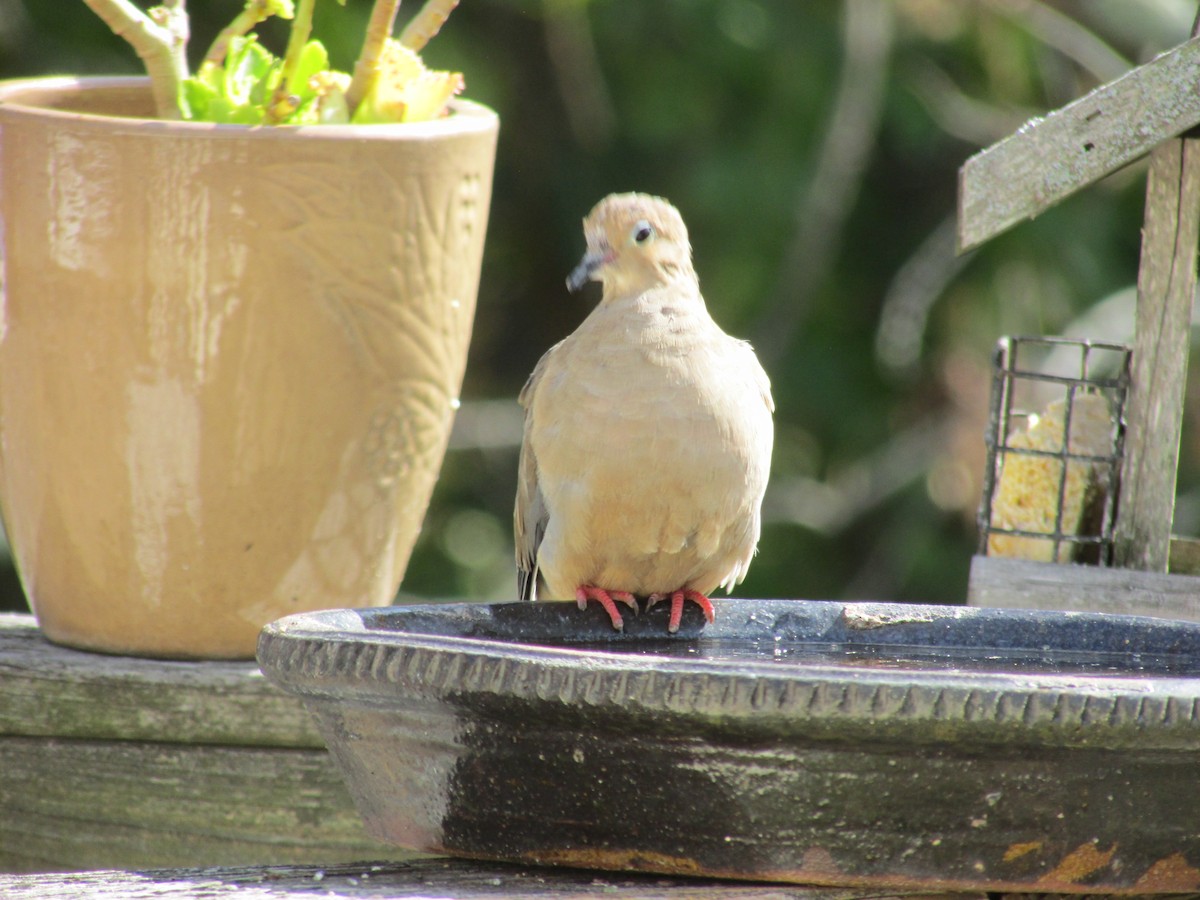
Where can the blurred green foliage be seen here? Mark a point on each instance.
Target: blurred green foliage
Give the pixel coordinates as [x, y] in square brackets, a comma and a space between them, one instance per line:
[812, 148]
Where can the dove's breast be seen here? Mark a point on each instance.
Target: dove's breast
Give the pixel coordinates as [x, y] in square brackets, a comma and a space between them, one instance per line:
[653, 447]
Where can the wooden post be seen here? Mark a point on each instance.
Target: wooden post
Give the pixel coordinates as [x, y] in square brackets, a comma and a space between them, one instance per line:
[1154, 412]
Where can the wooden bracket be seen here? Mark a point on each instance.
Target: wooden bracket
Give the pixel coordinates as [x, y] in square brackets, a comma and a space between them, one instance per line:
[1049, 159]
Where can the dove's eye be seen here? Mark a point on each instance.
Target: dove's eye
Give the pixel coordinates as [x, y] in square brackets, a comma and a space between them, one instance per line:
[642, 232]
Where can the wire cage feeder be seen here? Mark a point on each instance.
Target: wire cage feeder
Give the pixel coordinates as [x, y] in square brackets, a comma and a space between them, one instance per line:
[1055, 443]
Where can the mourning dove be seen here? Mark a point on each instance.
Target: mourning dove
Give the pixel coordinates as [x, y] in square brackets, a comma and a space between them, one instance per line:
[648, 432]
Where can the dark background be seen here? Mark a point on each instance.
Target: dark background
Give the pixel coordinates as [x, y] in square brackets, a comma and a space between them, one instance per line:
[812, 148]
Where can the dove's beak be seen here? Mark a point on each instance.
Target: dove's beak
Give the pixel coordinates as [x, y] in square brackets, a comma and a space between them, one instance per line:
[586, 270]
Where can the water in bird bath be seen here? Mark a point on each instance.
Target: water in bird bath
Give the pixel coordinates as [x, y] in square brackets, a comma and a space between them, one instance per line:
[1026, 661]
[850, 639]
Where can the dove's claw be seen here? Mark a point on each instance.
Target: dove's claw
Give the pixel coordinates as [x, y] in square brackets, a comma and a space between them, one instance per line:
[586, 592]
[677, 600]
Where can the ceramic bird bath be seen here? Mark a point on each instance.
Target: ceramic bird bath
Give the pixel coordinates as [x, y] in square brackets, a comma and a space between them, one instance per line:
[886, 745]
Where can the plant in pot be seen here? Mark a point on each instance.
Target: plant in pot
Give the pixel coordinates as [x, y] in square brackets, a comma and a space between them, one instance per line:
[236, 309]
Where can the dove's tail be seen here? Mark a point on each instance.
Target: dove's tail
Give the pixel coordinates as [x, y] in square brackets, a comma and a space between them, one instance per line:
[527, 583]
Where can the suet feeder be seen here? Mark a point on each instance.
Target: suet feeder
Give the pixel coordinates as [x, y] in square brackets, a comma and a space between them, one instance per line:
[1046, 498]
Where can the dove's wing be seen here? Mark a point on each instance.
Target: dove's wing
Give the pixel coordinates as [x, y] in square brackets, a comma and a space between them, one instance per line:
[529, 514]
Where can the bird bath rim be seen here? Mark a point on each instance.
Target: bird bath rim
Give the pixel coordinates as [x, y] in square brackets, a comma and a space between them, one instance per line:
[550, 652]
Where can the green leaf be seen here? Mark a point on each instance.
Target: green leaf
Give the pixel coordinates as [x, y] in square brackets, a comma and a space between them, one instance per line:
[406, 91]
[246, 115]
[220, 110]
[235, 92]
[247, 66]
[211, 75]
[333, 108]
[313, 60]
[308, 113]
[195, 97]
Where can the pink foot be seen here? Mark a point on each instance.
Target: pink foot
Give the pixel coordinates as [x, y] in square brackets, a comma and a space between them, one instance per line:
[586, 592]
[677, 598]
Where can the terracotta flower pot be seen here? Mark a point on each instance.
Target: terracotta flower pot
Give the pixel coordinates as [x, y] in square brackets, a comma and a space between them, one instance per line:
[229, 359]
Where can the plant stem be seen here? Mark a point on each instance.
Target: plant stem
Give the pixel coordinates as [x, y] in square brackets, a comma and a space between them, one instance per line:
[426, 23]
[366, 69]
[160, 42]
[281, 104]
[256, 11]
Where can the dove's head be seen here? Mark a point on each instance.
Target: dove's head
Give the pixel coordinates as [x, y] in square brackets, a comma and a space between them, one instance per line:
[634, 242]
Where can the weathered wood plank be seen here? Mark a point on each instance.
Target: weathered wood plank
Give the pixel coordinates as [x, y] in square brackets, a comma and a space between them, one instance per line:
[1048, 159]
[423, 878]
[74, 804]
[1185, 557]
[117, 761]
[1154, 409]
[58, 692]
[1002, 583]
